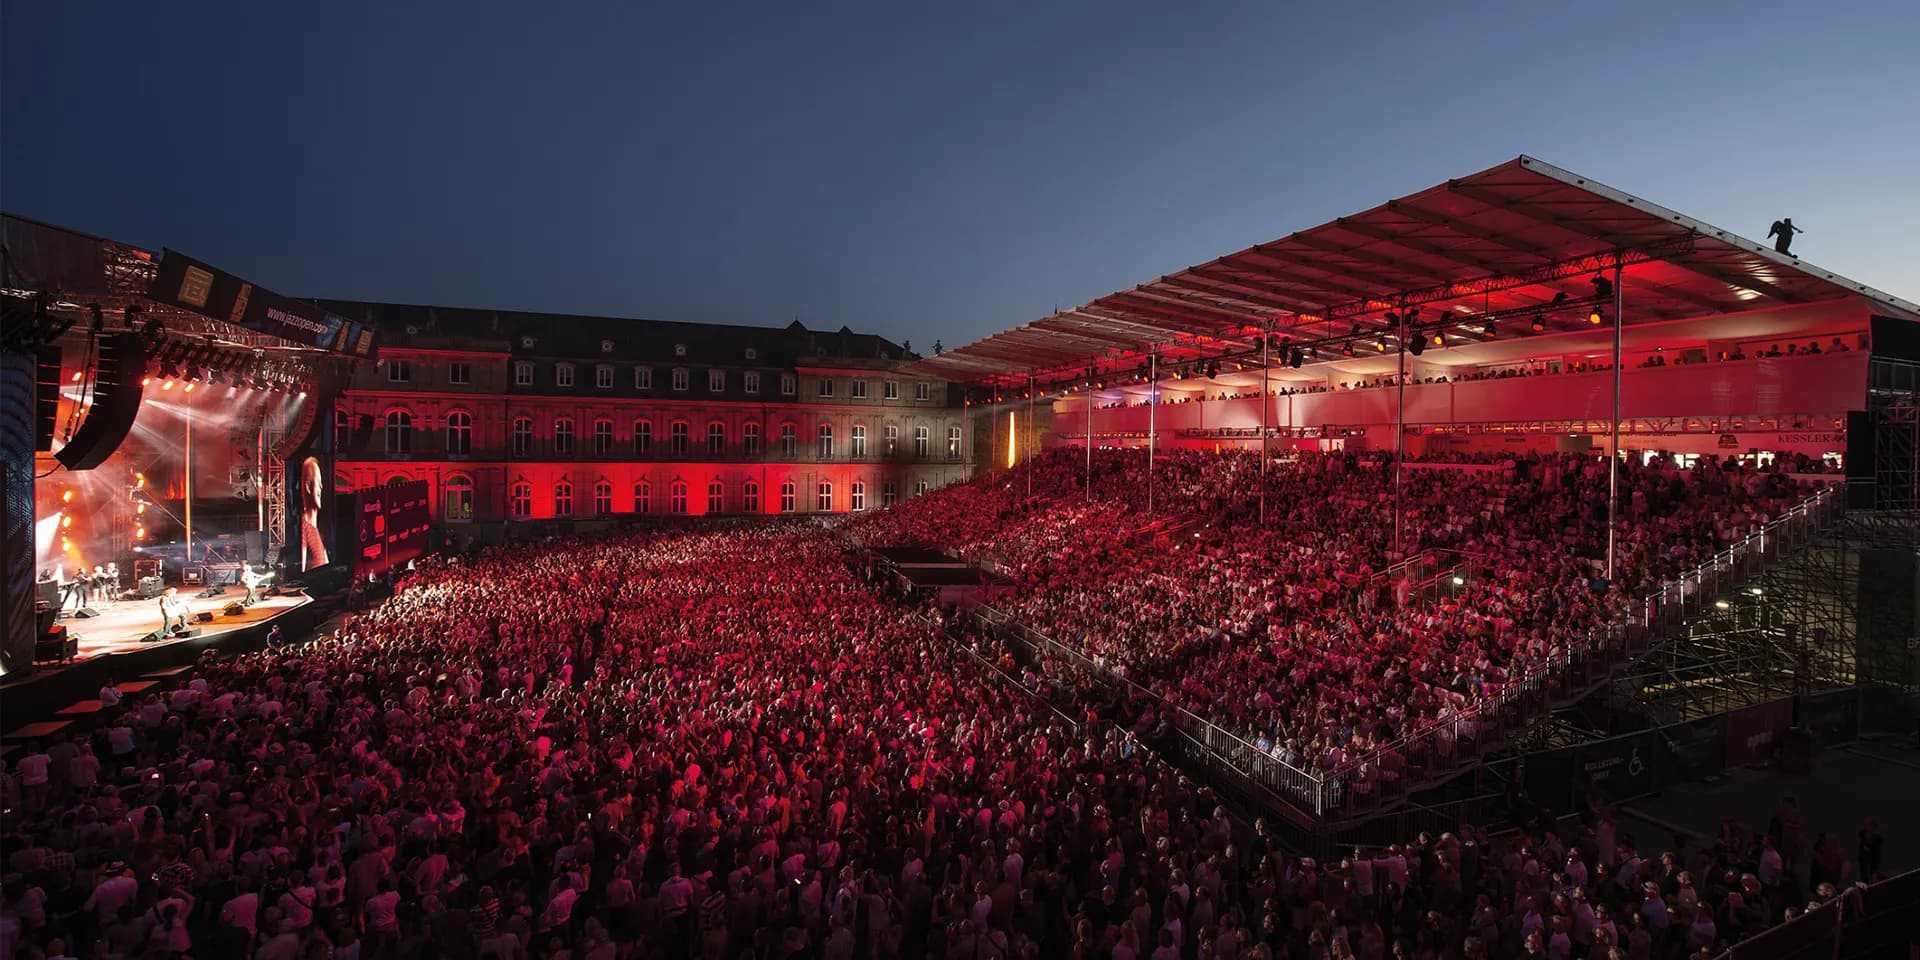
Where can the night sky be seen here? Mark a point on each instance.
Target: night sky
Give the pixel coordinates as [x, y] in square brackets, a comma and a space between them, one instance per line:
[918, 170]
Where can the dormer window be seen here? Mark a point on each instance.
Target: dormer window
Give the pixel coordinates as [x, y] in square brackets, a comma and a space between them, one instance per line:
[679, 349]
[606, 346]
[753, 354]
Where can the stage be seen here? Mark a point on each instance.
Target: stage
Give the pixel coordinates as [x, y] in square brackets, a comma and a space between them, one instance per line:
[122, 626]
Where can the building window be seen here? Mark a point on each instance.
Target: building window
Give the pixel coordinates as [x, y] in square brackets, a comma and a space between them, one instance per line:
[459, 373]
[677, 497]
[892, 439]
[563, 374]
[716, 381]
[679, 349]
[459, 499]
[826, 386]
[563, 499]
[889, 493]
[789, 441]
[523, 374]
[522, 500]
[920, 488]
[857, 496]
[459, 433]
[786, 384]
[750, 381]
[522, 436]
[953, 443]
[859, 389]
[642, 437]
[750, 438]
[680, 379]
[716, 438]
[642, 497]
[603, 377]
[752, 354]
[921, 443]
[602, 437]
[716, 497]
[859, 441]
[890, 390]
[342, 429]
[826, 441]
[602, 498]
[399, 371]
[823, 497]
[563, 436]
[643, 378]
[922, 390]
[399, 432]
[750, 497]
[677, 438]
[786, 497]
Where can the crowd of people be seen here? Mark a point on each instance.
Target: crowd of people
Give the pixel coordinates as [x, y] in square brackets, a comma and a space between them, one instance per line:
[1306, 635]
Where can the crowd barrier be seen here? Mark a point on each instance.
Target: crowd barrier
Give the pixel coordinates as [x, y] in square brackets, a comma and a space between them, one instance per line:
[1877, 920]
[1465, 736]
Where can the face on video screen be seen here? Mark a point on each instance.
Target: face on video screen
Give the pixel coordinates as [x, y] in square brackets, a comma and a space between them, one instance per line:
[313, 545]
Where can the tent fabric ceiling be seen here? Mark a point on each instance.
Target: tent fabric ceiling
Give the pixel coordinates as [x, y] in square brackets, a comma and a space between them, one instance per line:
[1506, 238]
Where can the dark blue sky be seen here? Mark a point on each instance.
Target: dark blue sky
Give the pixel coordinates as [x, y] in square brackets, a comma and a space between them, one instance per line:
[919, 170]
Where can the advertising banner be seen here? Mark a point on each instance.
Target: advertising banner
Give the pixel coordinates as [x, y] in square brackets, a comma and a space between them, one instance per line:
[1692, 750]
[1753, 732]
[1834, 716]
[1620, 768]
[189, 284]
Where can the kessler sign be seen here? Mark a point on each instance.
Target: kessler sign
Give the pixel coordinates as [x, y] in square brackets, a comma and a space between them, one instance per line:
[192, 285]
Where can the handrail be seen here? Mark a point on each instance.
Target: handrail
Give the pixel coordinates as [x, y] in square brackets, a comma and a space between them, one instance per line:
[1676, 600]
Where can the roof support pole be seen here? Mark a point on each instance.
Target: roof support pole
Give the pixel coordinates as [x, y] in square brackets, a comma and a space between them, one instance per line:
[1400, 436]
[1613, 461]
[1089, 441]
[1266, 384]
[1029, 443]
[1153, 408]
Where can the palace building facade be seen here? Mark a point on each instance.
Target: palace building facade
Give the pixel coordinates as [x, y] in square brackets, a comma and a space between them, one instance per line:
[549, 422]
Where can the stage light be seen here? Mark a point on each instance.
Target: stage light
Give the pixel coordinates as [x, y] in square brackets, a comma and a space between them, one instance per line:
[76, 377]
[140, 510]
[1379, 345]
[1594, 318]
[1439, 339]
[1756, 591]
[140, 533]
[1459, 582]
[1539, 322]
[1490, 330]
[66, 521]
[139, 480]
[167, 384]
[190, 386]
[67, 497]
[1602, 287]
[1722, 605]
[1560, 298]
[1347, 349]
[145, 380]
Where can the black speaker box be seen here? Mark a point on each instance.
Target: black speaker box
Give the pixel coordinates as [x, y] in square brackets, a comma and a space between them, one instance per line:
[204, 616]
[154, 637]
[234, 609]
[116, 398]
[190, 632]
[46, 396]
[86, 612]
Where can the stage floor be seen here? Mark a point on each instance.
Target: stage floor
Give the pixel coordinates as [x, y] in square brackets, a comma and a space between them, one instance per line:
[120, 626]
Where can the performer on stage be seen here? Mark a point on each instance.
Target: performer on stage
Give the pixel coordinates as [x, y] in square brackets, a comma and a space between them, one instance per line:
[251, 579]
[78, 590]
[173, 611]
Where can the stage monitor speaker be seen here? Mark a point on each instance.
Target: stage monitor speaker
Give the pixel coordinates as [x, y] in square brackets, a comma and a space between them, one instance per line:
[234, 609]
[86, 612]
[154, 637]
[46, 397]
[116, 398]
[47, 591]
[150, 587]
[204, 616]
[190, 632]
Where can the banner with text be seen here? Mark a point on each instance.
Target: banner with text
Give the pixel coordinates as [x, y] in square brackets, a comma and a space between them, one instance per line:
[192, 285]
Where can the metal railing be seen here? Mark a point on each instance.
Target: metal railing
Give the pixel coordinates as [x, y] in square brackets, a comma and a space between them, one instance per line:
[1465, 734]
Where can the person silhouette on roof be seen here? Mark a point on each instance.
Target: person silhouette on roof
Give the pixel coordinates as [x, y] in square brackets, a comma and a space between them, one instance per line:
[1783, 231]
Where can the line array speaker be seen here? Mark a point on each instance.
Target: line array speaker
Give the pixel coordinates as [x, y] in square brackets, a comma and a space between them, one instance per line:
[116, 398]
[46, 397]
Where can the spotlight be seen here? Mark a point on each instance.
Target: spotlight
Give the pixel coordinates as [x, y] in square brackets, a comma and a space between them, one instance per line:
[1560, 298]
[76, 377]
[1459, 582]
[1379, 345]
[167, 384]
[1722, 605]
[1490, 330]
[1539, 322]
[190, 386]
[1439, 339]
[1347, 349]
[145, 380]
[67, 497]
[140, 533]
[1602, 287]
[1417, 345]
[1756, 591]
[1594, 318]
